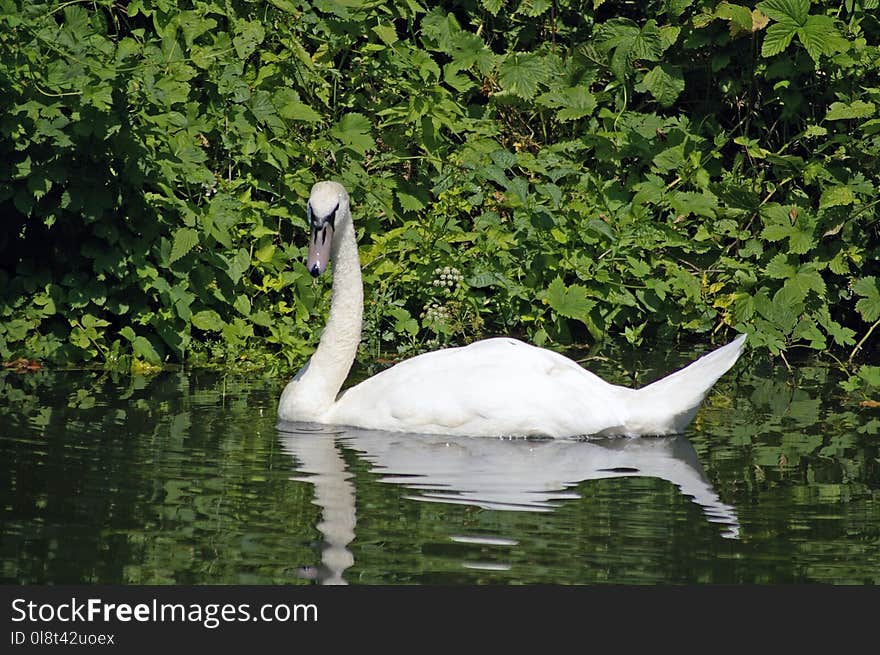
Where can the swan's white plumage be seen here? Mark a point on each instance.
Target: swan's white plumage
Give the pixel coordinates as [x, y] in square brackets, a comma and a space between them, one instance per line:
[495, 387]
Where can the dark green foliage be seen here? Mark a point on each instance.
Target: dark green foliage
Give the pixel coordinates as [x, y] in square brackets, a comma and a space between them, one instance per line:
[588, 169]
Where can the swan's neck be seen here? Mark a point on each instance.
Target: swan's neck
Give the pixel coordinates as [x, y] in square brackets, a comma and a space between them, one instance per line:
[314, 389]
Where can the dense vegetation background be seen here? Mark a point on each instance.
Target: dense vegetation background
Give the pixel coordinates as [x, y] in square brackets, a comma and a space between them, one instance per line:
[560, 170]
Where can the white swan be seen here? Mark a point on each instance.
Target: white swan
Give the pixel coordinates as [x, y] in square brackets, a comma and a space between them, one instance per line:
[495, 387]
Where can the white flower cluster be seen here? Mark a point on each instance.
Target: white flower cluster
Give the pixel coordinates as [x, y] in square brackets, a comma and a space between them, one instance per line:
[448, 276]
[436, 313]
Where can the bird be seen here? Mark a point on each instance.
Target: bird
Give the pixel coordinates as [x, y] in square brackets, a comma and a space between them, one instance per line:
[495, 387]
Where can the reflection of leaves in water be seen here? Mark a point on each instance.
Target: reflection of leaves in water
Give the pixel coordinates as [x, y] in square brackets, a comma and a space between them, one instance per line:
[179, 478]
[81, 399]
[155, 480]
[824, 499]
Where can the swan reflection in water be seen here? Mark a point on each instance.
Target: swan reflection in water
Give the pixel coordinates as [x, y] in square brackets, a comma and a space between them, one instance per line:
[491, 473]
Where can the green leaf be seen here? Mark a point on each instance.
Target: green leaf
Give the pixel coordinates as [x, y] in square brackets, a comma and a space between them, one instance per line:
[573, 103]
[521, 73]
[487, 279]
[665, 82]
[468, 50]
[856, 109]
[265, 253]
[47, 303]
[208, 319]
[141, 346]
[298, 111]
[185, 239]
[386, 33]
[776, 232]
[533, 8]
[649, 43]
[785, 222]
[580, 105]
[779, 268]
[249, 34]
[795, 11]
[285, 5]
[237, 266]
[428, 69]
[412, 200]
[601, 227]
[820, 37]
[686, 203]
[353, 130]
[815, 131]
[869, 305]
[76, 22]
[571, 302]
[437, 30]
[870, 375]
[871, 127]
[630, 43]
[242, 305]
[403, 322]
[492, 6]
[808, 330]
[800, 241]
[669, 160]
[836, 196]
[843, 336]
[669, 35]
[261, 318]
[90, 321]
[143, 349]
[782, 311]
[777, 38]
[805, 280]
[740, 17]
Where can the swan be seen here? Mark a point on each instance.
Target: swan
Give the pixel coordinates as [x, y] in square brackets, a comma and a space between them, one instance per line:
[494, 387]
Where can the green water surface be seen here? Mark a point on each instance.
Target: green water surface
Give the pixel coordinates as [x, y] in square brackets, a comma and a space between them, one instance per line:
[187, 478]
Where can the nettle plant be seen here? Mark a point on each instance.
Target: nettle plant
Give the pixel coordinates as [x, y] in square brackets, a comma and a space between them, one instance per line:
[579, 171]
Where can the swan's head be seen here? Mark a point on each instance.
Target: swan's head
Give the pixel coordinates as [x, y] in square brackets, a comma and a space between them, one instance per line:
[327, 201]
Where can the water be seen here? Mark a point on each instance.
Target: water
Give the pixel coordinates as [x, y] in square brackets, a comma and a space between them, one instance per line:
[186, 478]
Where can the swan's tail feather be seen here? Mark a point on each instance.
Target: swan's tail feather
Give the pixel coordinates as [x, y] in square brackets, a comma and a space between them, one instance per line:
[668, 405]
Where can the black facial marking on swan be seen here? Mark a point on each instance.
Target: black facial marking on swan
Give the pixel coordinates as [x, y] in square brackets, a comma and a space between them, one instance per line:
[318, 222]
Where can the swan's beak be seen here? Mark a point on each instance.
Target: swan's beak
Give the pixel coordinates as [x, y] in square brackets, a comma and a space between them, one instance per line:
[319, 249]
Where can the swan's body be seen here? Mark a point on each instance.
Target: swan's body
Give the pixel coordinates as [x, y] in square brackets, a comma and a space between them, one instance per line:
[495, 387]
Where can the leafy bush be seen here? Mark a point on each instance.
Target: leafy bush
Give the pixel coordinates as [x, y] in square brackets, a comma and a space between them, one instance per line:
[586, 169]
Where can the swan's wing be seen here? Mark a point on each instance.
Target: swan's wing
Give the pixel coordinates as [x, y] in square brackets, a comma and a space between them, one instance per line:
[493, 387]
